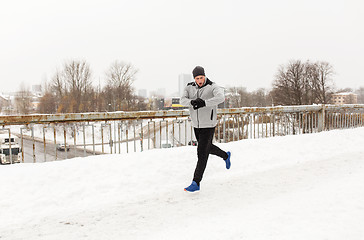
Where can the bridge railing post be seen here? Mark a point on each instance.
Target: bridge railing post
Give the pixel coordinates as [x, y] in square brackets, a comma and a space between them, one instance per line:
[321, 119]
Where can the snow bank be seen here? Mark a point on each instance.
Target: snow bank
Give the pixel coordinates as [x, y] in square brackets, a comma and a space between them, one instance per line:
[294, 187]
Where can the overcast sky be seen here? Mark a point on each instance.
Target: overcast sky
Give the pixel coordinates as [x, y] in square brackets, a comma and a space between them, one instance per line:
[239, 43]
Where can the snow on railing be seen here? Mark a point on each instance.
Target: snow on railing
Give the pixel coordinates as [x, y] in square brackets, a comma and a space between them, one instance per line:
[45, 137]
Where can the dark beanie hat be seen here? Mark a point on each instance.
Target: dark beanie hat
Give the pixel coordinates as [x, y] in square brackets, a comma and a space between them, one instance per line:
[197, 71]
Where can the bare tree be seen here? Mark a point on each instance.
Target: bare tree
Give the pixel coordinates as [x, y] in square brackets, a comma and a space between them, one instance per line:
[48, 103]
[289, 84]
[300, 83]
[58, 84]
[245, 97]
[233, 94]
[260, 98]
[350, 99]
[360, 93]
[72, 87]
[323, 82]
[77, 75]
[240, 97]
[309, 83]
[120, 77]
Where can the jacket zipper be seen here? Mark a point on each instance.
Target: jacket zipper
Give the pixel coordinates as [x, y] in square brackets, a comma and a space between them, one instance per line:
[198, 121]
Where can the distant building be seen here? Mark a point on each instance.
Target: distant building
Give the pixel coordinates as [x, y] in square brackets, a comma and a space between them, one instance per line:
[6, 106]
[344, 98]
[183, 79]
[3, 102]
[37, 88]
[161, 92]
[142, 93]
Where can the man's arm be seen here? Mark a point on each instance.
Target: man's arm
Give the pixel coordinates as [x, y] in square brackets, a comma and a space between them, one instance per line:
[218, 97]
[185, 98]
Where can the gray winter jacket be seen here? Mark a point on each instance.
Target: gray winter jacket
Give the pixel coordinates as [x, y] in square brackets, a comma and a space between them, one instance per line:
[205, 117]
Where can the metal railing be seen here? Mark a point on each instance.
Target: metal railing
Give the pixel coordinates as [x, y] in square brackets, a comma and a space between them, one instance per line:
[46, 137]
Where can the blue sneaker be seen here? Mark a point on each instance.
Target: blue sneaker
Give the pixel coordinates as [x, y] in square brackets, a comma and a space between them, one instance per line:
[193, 187]
[227, 161]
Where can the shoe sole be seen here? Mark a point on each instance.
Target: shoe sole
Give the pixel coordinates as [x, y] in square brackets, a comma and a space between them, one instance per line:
[191, 191]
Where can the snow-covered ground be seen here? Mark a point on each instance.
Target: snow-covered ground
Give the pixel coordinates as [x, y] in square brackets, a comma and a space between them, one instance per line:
[294, 187]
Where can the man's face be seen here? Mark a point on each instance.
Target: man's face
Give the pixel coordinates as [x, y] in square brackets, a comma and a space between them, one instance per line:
[200, 80]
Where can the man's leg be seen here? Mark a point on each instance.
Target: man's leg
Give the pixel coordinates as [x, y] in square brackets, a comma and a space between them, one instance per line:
[204, 139]
[215, 150]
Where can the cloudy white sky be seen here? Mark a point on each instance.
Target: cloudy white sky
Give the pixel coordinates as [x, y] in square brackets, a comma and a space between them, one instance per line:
[240, 43]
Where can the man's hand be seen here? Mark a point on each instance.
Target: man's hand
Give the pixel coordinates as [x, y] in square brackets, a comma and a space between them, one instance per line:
[198, 103]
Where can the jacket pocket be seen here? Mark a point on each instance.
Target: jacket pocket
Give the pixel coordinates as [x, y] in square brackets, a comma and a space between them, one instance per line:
[212, 113]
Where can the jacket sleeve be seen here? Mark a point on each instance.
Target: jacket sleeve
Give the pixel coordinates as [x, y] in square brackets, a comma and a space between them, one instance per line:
[218, 96]
[185, 98]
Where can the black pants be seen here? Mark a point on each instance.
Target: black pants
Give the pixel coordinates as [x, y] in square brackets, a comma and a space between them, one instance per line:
[205, 147]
